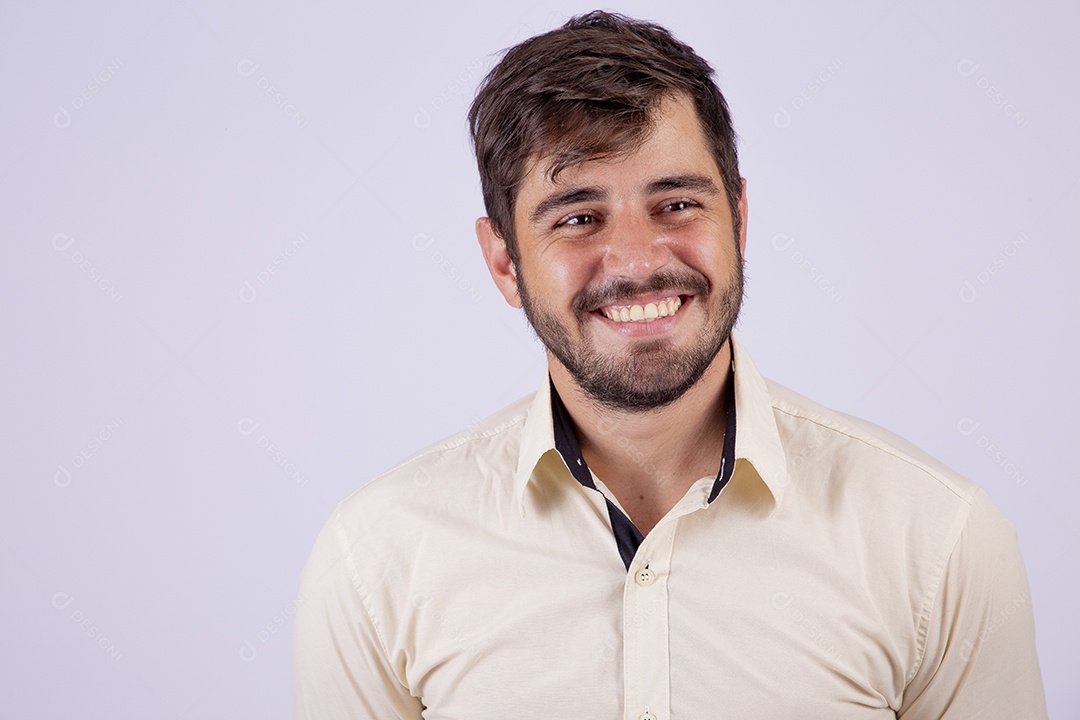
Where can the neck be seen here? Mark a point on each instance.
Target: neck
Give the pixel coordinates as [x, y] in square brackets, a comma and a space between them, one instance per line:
[649, 458]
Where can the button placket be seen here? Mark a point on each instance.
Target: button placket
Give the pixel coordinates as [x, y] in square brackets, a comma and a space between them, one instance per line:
[645, 628]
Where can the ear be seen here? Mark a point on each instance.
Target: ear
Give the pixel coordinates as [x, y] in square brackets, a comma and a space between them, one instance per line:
[498, 261]
[742, 217]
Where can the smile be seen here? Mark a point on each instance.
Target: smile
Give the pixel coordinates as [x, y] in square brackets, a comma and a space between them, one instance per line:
[642, 313]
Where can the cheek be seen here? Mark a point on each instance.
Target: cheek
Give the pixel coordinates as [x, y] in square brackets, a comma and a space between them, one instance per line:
[706, 249]
[570, 269]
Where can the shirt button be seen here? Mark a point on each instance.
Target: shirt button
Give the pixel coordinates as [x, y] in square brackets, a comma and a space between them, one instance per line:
[645, 577]
[646, 716]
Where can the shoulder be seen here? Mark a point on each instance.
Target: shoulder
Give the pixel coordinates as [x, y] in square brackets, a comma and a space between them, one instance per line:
[443, 477]
[868, 489]
[869, 452]
[879, 503]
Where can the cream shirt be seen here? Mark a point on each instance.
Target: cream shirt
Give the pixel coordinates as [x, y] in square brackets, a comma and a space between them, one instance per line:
[840, 574]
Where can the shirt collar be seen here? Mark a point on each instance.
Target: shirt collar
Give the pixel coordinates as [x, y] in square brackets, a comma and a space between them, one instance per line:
[758, 450]
[537, 440]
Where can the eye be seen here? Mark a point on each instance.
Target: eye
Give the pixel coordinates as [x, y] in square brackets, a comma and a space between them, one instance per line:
[677, 206]
[577, 219]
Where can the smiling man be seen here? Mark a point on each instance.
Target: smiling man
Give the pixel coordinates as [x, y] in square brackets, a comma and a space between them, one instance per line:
[658, 532]
[634, 267]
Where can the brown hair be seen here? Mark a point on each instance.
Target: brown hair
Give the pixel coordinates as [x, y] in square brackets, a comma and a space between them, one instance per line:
[585, 91]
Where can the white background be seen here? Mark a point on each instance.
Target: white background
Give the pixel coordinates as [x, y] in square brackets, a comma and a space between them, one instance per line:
[230, 227]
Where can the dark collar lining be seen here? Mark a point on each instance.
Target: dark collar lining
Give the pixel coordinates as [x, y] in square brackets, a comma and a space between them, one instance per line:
[627, 537]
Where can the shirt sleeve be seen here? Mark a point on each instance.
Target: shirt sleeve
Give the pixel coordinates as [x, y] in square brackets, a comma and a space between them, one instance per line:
[979, 658]
[340, 667]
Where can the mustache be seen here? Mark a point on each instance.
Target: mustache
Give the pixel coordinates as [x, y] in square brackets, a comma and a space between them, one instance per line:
[613, 291]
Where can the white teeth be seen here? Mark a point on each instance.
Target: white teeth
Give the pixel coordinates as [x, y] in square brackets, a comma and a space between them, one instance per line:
[648, 313]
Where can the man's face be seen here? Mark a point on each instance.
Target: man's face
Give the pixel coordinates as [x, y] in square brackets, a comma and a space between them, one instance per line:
[629, 269]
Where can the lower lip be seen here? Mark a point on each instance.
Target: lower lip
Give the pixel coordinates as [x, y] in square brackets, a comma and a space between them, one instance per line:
[646, 329]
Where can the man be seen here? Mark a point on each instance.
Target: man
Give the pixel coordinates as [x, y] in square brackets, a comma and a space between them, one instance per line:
[659, 532]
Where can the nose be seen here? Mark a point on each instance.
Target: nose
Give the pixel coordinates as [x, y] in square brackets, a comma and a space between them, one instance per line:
[636, 247]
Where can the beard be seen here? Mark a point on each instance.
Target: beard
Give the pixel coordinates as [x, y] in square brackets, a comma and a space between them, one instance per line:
[652, 374]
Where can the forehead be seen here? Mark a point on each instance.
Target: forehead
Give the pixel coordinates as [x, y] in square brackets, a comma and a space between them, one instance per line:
[673, 143]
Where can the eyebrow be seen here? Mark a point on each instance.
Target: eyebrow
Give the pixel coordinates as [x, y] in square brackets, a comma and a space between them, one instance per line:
[563, 199]
[697, 183]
